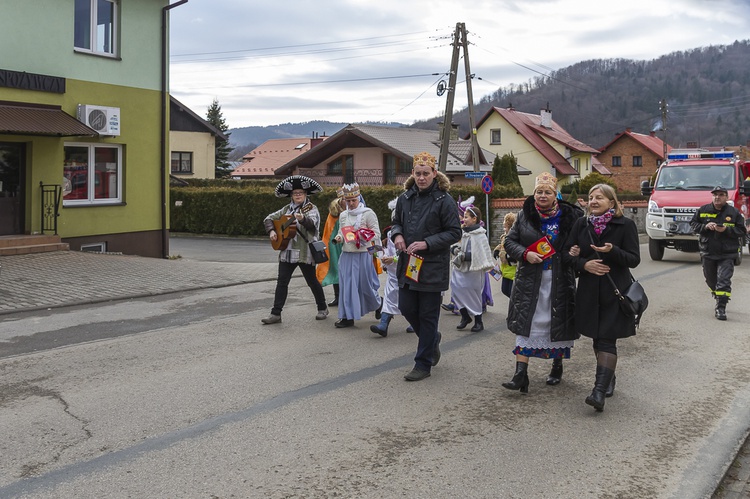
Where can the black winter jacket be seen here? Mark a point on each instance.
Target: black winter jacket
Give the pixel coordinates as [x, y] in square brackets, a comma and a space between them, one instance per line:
[598, 314]
[431, 216]
[719, 245]
[523, 298]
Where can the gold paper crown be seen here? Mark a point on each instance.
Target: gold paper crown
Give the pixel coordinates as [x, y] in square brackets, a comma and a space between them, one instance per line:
[546, 179]
[424, 159]
[340, 192]
[350, 190]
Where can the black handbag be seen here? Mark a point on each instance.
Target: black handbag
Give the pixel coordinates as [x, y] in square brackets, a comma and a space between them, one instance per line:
[633, 301]
[317, 249]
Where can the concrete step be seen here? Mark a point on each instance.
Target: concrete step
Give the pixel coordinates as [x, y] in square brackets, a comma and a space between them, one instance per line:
[24, 245]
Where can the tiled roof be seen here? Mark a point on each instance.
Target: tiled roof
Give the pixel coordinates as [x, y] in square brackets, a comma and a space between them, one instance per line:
[401, 141]
[650, 142]
[599, 167]
[270, 155]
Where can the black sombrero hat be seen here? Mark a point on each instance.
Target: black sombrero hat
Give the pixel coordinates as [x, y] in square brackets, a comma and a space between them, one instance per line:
[286, 186]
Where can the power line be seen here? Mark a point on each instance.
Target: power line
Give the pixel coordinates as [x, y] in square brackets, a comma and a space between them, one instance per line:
[300, 45]
[253, 85]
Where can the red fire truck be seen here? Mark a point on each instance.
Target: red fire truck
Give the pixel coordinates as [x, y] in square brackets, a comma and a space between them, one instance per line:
[683, 184]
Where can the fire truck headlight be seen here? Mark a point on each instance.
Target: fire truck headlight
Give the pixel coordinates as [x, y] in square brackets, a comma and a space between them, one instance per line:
[653, 207]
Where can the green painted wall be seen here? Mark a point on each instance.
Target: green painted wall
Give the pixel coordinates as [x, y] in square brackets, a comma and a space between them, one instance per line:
[140, 129]
[36, 36]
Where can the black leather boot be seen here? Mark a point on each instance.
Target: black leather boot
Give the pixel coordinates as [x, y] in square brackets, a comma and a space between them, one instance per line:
[605, 371]
[555, 374]
[465, 319]
[721, 308]
[335, 301]
[611, 388]
[520, 380]
[478, 324]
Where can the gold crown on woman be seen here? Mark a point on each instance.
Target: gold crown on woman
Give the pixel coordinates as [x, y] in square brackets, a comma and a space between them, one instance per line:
[546, 179]
[350, 190]
[424, 159]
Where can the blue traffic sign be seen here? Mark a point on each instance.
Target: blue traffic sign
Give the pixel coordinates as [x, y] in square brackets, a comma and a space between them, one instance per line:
[487, 184]
[474, 175]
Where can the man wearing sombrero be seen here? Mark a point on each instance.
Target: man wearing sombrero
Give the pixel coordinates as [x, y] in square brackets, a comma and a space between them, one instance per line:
[296, 253]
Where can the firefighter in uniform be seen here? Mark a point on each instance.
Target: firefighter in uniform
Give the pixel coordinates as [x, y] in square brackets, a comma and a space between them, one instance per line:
[721, 231]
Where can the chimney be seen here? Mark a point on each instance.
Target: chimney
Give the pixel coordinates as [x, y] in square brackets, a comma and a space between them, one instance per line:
[546, 116]
[315, 140]
[453, 132]
[652, 133]
[628, 130]
[692, 144]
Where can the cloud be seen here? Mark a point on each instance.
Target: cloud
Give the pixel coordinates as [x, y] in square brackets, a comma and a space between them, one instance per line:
[285, 61]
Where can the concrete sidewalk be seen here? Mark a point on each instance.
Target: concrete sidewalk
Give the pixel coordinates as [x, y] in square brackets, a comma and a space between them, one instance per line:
[64, 278]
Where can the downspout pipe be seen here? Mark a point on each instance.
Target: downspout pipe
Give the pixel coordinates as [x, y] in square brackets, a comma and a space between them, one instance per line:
[164, 131]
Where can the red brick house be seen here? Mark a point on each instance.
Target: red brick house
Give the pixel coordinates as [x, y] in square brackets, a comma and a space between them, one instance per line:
[632, 157]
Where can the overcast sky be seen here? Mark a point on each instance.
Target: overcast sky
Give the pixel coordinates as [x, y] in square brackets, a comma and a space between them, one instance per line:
[291, 61]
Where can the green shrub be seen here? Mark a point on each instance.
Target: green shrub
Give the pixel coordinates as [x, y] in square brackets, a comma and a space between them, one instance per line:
[237, 208]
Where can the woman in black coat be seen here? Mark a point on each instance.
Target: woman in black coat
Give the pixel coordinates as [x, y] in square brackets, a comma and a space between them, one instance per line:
[615, 237]
[540, 312]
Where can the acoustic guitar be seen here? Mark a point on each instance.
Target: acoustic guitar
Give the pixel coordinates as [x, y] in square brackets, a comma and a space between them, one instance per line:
[286, 228]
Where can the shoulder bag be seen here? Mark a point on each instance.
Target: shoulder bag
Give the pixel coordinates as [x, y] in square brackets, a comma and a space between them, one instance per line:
[633, 300]
[317, 249]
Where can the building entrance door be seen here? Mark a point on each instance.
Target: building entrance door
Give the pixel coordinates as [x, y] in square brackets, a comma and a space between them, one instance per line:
[12, 175]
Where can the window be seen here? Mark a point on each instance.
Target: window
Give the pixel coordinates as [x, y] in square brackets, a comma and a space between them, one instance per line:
[95, 26]
[182, 162]
[344, 166]
[92, 174]
[637, 160]
[616, 161]
[495, 136]
[393, 166]
[577, 164]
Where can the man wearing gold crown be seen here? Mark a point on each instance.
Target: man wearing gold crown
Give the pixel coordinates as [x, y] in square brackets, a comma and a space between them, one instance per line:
[425, 225]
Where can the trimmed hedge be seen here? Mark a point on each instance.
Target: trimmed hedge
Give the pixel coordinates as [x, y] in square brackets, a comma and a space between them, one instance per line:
[238, 209]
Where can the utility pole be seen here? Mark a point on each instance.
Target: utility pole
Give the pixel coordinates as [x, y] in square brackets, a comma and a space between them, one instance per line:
[448, 118]
[470, 95]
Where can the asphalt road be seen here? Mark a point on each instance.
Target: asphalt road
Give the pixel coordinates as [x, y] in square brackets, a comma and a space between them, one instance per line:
[188, 395]
[222, 249]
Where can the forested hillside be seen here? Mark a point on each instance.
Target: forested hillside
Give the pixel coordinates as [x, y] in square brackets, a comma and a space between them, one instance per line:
[707, 91]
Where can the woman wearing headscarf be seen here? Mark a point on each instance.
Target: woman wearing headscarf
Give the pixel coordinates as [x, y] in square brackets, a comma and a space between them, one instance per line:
[358, 278]
[615, 238]
[542, 300]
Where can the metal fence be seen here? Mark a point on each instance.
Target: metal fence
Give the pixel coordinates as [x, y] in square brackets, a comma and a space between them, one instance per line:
[51, 197]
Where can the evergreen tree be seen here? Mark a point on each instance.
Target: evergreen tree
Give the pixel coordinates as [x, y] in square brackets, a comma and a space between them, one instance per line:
[496, 170]
[216, 118]
[508, 171]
